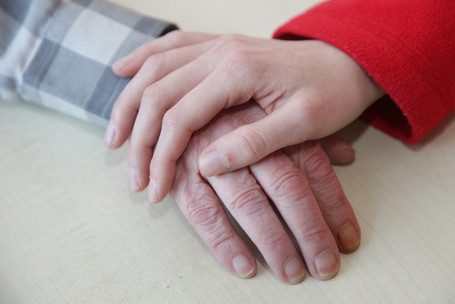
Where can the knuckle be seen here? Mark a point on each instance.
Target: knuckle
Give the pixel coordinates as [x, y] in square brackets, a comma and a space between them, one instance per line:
[174, 36]
[273, 239]
[154, 63]
[317, 164]
[324, 182]
[315, 233]
[171, 120]
[228, 42]
[220, 239]
[248, 202]
[154, 94]
[208, 221]
[125, 105]
[203, 215]
[336, 205]
[236, 61]
[290, 185]
[252, 145]
[338, 209]
[233, 51]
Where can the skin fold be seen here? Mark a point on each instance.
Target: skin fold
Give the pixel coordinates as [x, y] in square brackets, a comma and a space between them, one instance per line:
[297, 185]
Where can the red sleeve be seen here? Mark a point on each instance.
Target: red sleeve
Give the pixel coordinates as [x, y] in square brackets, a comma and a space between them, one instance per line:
[407, 47]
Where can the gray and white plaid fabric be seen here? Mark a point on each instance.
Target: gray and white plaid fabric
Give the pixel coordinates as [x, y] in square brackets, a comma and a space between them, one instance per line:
[59, 53]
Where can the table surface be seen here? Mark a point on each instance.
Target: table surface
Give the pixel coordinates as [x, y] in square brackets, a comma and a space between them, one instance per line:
[72, 232]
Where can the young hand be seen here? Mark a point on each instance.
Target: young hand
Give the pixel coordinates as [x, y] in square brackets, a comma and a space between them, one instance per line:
[309, 89]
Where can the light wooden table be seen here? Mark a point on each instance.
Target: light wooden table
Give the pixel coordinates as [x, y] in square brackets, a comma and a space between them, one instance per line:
[72, 232]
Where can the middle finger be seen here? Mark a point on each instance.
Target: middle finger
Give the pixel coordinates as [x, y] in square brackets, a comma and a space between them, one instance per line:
[250, 207]
[292, 195]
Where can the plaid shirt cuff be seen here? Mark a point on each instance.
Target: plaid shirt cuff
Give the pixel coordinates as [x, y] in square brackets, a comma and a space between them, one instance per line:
[59, 53]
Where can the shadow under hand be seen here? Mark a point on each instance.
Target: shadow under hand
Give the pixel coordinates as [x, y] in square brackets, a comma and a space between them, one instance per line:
[433, 135]
[352, 132]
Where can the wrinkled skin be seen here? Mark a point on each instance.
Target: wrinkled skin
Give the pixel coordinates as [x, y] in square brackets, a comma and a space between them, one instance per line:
[298, 185]
[309, 89]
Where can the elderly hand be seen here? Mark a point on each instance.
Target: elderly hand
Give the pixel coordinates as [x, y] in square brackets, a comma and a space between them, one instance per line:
[309, 89]
[298, 192]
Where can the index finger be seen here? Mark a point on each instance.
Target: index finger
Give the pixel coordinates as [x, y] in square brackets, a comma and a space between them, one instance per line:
[204, 211]
[250, 207]
[221, 89]
[129, 65]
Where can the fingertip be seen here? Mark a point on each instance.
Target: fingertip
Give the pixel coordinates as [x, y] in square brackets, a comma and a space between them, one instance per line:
[153, 192]
[295, 271]
[115, 135]
[244, 267]
[338, 151]
[327, 265]
[213, 163]
[134, 180]
[348, 238]
[125, 67]
[157, 192]
[110, 135]
[345, 154]
[138, 174]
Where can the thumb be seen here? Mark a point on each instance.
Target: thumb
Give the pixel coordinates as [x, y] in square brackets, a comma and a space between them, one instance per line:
[300, 119]
[248, 144]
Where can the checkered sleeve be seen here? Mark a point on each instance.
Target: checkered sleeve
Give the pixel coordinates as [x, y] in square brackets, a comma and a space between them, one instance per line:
[58, 53]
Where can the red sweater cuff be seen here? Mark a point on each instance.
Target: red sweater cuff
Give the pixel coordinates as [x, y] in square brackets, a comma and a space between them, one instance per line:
[420, 88]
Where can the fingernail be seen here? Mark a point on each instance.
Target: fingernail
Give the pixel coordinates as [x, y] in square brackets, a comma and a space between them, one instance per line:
[243, 267]
[153, 197]
[111, 132]
[326, 264]
[349, 238]
[295, 270]
[134, 184]
[212, 163]
[123, 62]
